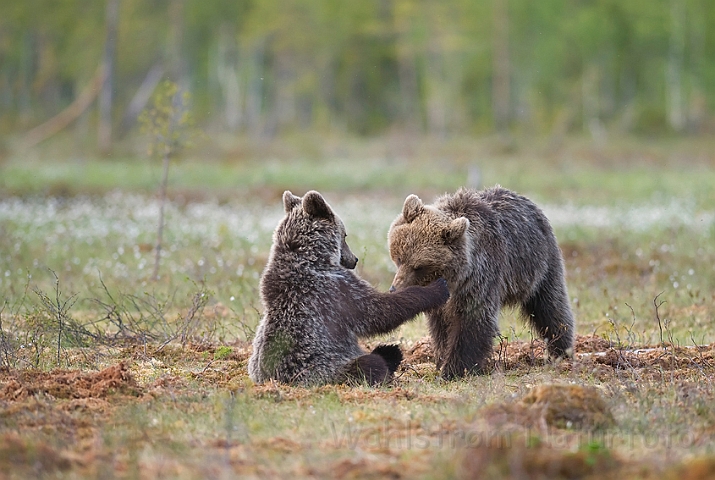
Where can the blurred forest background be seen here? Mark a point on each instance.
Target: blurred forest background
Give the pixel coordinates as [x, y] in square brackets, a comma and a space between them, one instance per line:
[450, 67]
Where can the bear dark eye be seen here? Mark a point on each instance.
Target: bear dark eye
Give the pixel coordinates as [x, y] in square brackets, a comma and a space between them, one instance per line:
[292, 245]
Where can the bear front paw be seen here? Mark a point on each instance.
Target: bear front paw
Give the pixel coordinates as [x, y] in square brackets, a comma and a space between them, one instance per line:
[440, 286]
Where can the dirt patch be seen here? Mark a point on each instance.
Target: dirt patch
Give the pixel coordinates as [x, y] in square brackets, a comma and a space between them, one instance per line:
[345, 393]
[559, 406]
[518, 355]
[365, 395]
[519, 457]
[362, 468]
[570, 405]
[279, 393]
[21, 384]
[516, 458]
[666, 357]
[59, 415]
[167, 382]
[420, 352]
[62, 416]
[510, 354]
[280, 444]
[21, 455]
[591, 343]
[695, 469]
[239, 350]
[590, 351]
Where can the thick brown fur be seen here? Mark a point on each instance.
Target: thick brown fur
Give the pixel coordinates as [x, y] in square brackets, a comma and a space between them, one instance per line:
[494, 248]
[316, 307]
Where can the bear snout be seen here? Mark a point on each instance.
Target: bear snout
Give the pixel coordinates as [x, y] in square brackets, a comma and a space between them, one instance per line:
[398, 283]
[347, 258]
[349, 262]
[402, 280]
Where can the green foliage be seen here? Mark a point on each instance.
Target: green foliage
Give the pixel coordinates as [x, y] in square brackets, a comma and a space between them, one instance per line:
[168, 121]
[169, 124]
[274, 66]
[222, 352]
[595, 452]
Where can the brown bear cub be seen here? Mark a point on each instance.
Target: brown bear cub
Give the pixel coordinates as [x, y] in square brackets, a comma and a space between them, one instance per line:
[494, 248]
[316, 307]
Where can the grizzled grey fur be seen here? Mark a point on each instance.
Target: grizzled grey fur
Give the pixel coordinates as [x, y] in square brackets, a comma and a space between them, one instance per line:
[494, 248]
[316, 308]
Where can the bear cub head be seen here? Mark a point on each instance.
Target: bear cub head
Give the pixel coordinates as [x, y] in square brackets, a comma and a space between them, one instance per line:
[311, 230]
[425, 244]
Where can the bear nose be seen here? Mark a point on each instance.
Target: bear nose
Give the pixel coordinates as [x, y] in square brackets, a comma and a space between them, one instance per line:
[392, 289]
[348, 263]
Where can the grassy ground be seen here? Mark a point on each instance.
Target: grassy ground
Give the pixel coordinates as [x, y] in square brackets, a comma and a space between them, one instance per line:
[108, 373]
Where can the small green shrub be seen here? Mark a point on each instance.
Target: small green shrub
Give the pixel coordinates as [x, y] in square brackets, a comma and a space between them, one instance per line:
[222, 352]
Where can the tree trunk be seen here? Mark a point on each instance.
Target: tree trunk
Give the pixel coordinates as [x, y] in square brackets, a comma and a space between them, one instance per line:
[501, 80]
[162, 206]
[255, 91]
[590, 104]
[142, 97]
[436, 95]
[228, 78]
[66, 116]
[675, 100]
[104, 133]
[176, 68]
[25, 77]
[409, 90]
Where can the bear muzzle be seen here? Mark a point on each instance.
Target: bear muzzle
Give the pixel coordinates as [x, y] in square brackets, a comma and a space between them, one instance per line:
[347, 258]
[348, 262]
[406, 277]
[398, 283]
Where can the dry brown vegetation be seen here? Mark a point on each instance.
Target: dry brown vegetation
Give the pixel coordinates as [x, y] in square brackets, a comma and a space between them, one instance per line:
[575, 419]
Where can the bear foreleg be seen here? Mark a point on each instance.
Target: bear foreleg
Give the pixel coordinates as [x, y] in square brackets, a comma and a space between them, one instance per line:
[470, 344]
[439, 334]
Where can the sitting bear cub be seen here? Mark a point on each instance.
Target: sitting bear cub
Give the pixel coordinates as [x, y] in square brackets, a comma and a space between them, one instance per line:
[494, 248]
[316, 308]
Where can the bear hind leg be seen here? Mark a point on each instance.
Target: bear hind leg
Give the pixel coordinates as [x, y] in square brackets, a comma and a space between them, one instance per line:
[549, 313]
[391, 354]
[371, 369]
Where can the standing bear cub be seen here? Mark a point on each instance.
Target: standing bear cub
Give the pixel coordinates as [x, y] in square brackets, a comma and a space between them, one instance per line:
[494, 248]
[316, 308]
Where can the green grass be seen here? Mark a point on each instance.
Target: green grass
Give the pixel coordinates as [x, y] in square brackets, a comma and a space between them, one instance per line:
[635, 223]
[215, 178]
[622, 173]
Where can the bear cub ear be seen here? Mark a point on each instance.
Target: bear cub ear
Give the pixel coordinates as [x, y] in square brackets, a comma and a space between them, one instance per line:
[412, 208]
[315, 205]
[455, 229]
[290, 201]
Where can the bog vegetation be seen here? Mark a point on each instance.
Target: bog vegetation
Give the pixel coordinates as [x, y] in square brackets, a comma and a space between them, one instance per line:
[106, 370]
